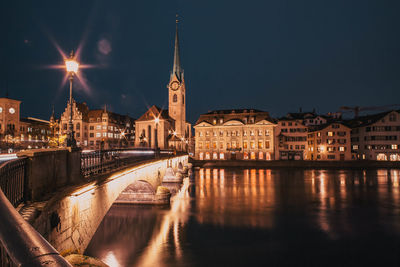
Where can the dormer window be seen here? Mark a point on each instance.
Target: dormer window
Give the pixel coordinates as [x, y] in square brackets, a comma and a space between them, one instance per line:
[214, 121]
[221, 120]
[251, 119]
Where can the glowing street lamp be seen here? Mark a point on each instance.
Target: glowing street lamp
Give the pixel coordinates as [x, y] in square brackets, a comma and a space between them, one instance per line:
[72, 67]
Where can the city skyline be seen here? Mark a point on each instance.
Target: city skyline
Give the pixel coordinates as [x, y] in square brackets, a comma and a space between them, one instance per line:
[271, 56]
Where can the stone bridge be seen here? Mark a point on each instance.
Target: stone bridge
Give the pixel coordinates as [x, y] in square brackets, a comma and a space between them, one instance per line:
[77, 202]
[70, 220]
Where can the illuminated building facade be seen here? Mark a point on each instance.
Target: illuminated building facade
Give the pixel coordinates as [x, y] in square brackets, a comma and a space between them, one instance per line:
[154, 133]
[330, 141]
[98, 129]
[235, 134]
[291, 139]
[376, 137]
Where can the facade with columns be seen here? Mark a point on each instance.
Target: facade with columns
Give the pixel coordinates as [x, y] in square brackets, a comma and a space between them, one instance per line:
[164, 129]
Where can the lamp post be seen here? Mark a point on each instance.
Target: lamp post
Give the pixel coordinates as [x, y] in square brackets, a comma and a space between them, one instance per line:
[156, 121]
[72, 67]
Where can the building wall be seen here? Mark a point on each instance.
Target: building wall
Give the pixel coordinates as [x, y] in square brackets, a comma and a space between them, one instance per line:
[146, 134]
[379, 140]
[9, 116]
[330, 143]
[291, 140]
[235, 140]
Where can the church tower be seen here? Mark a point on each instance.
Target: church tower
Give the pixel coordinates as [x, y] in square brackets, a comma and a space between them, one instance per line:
[177, 94]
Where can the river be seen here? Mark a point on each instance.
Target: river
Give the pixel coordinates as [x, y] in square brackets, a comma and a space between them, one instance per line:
[261, 217]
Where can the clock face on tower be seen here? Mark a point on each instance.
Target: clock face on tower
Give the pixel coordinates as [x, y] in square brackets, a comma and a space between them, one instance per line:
[12, 110]
[174, 85]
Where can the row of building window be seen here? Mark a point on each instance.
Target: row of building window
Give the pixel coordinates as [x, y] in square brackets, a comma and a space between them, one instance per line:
[260, 145]
[329, 141]
[330, 149]
[294, 130]
[237, 133]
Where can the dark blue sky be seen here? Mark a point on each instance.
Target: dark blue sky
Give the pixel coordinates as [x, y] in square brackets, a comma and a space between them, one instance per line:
[272, 55]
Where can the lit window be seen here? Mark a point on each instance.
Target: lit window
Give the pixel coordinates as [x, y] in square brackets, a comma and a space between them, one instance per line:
[214, 145]
[98, 127]
[245, 144]
[267, 144]
[394, 146]
[330, 133]
[260, 132]
[267, 132]
[252, 145]
[104, 134]
[355, 147]
[244, 133]
[200, 145]
[251, 133]
[341, 148]
[260, 144]
[98, 134]
[221, 145]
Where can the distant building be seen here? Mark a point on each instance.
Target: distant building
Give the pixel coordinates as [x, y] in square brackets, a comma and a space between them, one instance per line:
[168, 129]
[98, 129]
[376, 137]
[329, 142]
[291, 139]
[235, 134]
[20, 133]
[34, 133]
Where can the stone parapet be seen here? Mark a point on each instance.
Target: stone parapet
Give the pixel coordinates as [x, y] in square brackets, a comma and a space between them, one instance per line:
[51, 169]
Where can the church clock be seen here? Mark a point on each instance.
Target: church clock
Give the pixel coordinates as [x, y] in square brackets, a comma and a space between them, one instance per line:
[174, 85]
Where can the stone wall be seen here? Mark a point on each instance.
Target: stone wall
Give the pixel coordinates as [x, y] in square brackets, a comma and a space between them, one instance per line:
[70, 220]
[51, 169]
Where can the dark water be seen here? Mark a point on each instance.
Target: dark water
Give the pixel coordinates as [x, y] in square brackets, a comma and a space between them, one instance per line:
[258, 217]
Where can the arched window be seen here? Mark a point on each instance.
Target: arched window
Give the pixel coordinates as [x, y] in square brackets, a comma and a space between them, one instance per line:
[78, 126]
[183, 99]
[175, 98]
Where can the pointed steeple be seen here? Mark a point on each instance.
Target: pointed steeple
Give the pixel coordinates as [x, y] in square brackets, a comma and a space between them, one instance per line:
[177, 70]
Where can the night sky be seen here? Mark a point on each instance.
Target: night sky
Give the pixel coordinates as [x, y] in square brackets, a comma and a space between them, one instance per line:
[273, 55]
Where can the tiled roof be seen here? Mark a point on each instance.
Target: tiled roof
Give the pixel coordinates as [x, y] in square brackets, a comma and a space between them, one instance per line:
[368, 119]
[242, 115]
[154, 112]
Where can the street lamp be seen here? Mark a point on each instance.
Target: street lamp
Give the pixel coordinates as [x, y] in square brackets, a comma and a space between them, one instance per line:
[72, 67]
[156, 121]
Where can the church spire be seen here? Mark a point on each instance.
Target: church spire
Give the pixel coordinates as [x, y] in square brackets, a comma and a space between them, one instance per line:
[177, 70]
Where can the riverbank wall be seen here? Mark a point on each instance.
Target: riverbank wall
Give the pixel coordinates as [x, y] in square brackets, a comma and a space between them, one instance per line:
[306, 164]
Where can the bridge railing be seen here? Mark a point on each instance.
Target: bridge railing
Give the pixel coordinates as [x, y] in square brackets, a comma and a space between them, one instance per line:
[20, 243]
[103, 161]
[13, 180]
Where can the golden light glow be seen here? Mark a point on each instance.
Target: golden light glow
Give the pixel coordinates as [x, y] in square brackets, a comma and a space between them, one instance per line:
[71, 65]
[157, 120]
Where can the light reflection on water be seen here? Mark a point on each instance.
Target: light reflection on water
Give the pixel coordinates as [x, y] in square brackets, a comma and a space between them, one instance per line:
[244, 217]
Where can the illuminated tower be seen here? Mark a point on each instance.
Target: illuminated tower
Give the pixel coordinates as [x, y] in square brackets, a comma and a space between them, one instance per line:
[176, 89]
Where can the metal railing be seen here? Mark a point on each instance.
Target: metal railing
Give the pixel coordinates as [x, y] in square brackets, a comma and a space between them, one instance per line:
[103, 161]
[13, 180]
